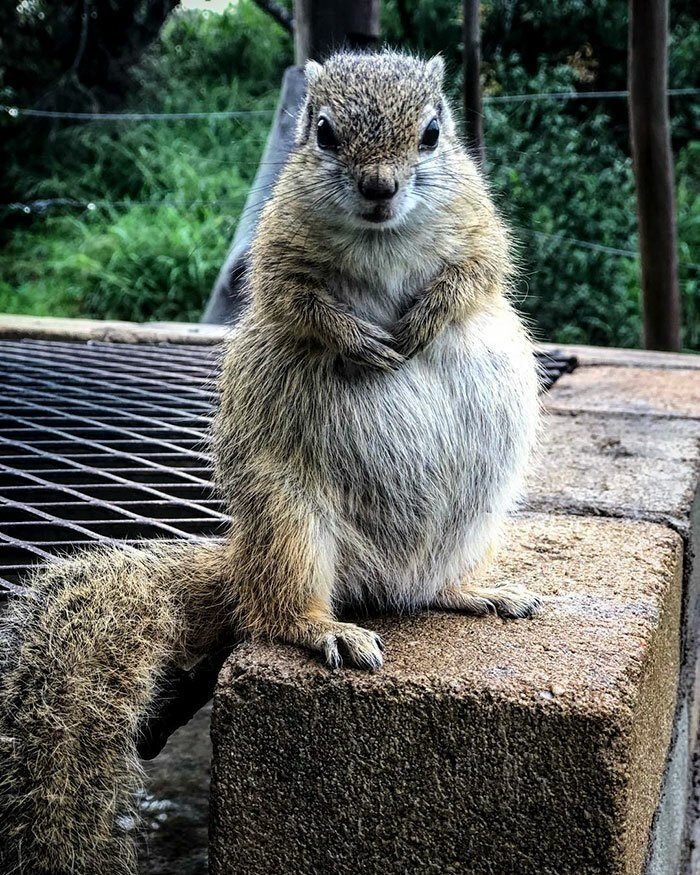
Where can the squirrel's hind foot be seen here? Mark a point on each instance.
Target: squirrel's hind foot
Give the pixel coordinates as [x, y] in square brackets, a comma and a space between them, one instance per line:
[511, 601]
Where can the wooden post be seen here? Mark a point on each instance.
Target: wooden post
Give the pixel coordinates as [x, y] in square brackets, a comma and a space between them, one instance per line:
[473, 118]
[653, 169]
[320, 26]
[228, 298]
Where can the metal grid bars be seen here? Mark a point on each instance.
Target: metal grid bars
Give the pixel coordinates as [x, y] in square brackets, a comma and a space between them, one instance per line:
[102, 443]
[107, 442]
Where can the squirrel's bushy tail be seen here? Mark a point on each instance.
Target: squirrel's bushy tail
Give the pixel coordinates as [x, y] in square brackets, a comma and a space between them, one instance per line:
[79, 661]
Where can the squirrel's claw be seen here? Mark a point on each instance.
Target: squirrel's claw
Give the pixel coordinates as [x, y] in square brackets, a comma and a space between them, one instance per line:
[515, 602]
[358, 647]
[511, 601]
[330, 651]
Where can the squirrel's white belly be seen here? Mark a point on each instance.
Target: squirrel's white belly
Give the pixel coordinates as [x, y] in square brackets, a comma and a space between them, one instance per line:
[428, 460]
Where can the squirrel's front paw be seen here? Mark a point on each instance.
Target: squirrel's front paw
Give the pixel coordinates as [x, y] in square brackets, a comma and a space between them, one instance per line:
[376, 355]
[376, 348]
[410, 336]
[354, 645]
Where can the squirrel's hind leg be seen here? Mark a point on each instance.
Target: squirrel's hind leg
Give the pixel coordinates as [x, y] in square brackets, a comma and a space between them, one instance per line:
[287, 582]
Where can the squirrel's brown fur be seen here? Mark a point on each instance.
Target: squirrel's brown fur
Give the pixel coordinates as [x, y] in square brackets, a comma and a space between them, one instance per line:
[81, 659]
[378, 406]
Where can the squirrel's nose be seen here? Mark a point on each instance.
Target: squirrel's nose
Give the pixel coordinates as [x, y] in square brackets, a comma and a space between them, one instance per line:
[378, 188]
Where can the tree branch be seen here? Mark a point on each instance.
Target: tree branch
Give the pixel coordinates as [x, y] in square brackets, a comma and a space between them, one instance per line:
[281, 15]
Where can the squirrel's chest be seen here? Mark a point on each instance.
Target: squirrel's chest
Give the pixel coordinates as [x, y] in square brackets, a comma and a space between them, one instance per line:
[380, 293]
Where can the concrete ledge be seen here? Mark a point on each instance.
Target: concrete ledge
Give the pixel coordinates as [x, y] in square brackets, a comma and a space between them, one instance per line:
[629, 466]
[48, 328]
[629, 358]
[610, 389]
[529, 747]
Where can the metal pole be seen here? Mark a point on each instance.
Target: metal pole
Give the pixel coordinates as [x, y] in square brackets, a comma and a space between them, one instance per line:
[321, 26]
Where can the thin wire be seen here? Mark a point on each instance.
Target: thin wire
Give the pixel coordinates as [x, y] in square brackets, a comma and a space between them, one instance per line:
[585, 244]
[596, 247]
[16, 112]
[576, 95]
[42, 205]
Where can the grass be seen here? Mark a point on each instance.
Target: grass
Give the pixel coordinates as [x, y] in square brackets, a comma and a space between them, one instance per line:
[166, 195]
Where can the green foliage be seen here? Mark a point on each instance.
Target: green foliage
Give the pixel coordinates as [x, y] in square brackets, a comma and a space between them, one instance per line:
[74, 55]
[119, 266]
[573, 294]
[560, 176]
[688, 201]
[129, 258]
[560, 172]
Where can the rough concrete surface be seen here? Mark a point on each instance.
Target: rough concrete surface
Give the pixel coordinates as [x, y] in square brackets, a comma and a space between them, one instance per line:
[531, 747]
[627, 466]
[54, 328]
[666, 849]
[610, 389]
[694, 837]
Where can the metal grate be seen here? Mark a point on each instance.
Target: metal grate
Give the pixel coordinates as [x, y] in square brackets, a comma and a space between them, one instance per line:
[107, 442]
[102, 443]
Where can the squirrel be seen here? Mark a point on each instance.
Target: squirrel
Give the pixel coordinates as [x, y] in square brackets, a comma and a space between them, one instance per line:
[378, 407]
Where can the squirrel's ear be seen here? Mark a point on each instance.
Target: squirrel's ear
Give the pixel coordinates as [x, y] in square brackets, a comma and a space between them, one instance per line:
[304, 122]
[312, 71]
[436, 70]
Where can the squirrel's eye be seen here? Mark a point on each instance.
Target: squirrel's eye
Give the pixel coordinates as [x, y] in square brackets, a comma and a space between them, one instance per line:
[325, 135]
[431, 135]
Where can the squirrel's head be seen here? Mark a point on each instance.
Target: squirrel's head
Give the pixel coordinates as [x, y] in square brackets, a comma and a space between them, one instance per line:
[378, 135]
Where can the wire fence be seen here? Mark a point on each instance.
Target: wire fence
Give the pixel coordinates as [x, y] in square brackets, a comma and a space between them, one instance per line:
[44, 206]
[577, 95]
[17, 112]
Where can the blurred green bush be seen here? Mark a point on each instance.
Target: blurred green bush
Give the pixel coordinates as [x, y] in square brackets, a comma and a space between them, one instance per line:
[166, 194]
[560, 172]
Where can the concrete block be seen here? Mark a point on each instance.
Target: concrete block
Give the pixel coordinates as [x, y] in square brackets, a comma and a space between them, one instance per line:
[627, 466]
[533, 747]
[667, 846]
[639, 467]
[611, 389]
